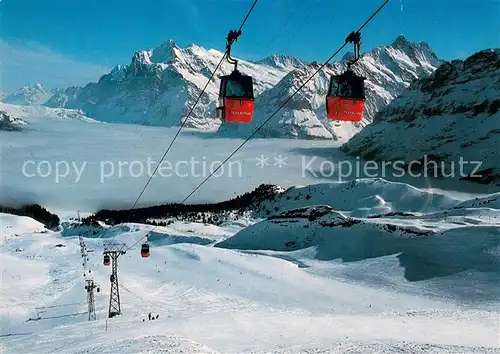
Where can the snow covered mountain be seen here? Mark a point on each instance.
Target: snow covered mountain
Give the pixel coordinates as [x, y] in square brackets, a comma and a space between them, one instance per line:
[29, 95]
[9, 122]
[61, 97]
[388, 69]
[159, 86]
[453, 114]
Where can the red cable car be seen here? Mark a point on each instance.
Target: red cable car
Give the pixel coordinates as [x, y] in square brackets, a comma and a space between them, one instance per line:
[346, 97]
[345, 100]
[236, 98]
[145, 252]
[106, 260]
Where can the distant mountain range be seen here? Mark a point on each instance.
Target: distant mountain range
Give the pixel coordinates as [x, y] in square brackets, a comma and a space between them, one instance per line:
[159, 86]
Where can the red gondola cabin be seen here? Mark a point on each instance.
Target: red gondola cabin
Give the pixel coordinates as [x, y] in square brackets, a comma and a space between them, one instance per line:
[236, 99]
[145, 250]
[345, 100]
[106, 260]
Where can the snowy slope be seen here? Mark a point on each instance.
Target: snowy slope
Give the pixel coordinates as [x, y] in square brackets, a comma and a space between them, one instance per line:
[388, 69]
[28, 95]
[452, 115]
[429, 247]
[489, 201]
[31, 113]
[217, 300]
[159, 86]
[362, 198]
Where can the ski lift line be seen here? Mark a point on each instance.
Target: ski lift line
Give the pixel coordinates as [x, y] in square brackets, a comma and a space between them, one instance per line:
[272, 115]
[131, 292]
[161, 305]
[299, 28]
[61, 316]
[53, 306]
[284, 26]
[228, 48]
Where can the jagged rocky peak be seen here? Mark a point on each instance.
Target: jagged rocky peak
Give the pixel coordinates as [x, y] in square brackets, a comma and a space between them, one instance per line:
[60, 97]
[28, 95]
[164, 53]
[282, 61]
[141, 57]
[402, 42]
[347, 57]
[420, 51]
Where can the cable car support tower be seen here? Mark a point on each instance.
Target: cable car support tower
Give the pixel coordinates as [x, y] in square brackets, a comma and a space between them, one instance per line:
[113, 251]
[90, 286]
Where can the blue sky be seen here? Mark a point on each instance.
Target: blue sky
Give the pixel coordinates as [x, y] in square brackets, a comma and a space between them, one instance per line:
[65, 42]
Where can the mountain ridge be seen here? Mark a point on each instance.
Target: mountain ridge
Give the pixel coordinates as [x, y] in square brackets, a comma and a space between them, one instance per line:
[453, 114]
[159, 86]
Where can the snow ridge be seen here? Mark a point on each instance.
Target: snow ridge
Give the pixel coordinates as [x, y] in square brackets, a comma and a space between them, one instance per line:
[452, 114]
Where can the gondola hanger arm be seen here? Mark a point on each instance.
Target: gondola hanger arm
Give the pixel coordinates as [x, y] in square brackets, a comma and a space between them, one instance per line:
[232, 37]
[355, 39]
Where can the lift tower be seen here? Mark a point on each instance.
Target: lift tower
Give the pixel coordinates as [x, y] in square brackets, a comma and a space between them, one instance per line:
[90, 286]
[114, 250]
